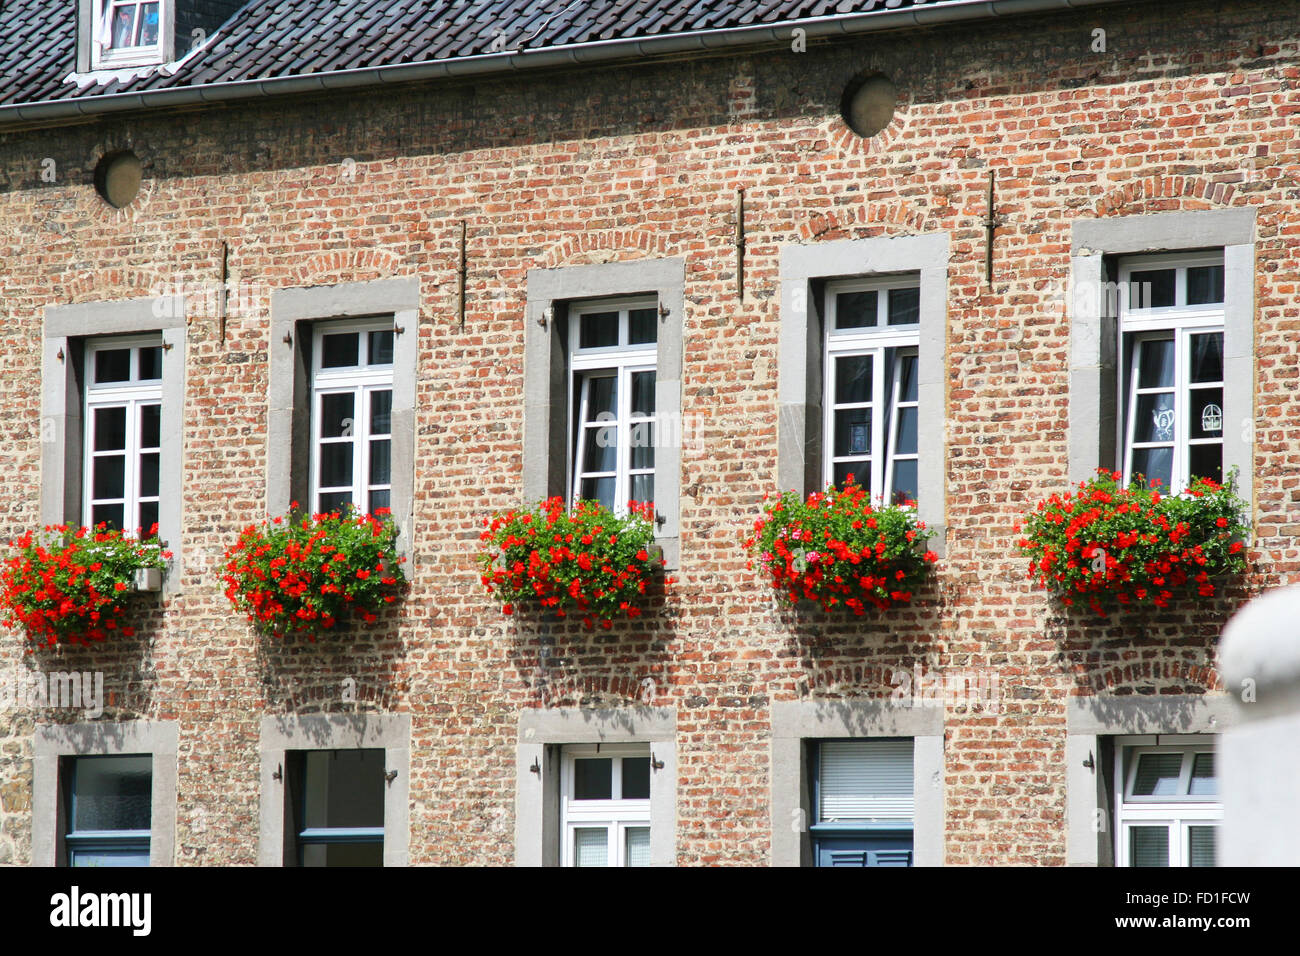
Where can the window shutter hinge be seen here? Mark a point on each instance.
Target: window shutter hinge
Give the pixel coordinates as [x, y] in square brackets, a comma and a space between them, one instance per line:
[390, 776]
[663, 311]
[166, 346]
[60, 355]
[655, 764]
[399, 329]
[1089, 762]
[661, 520]
[288, 339]
[536, 767]
[279, 773]
[548, 314]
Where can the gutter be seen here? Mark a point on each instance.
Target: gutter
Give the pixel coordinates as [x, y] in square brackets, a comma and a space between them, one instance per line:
[507, 61]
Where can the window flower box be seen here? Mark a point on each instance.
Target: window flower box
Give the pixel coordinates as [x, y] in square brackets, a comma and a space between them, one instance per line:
[838, 550]
[582, 562]
[309, 575]
[1110, 546]
[72, 585]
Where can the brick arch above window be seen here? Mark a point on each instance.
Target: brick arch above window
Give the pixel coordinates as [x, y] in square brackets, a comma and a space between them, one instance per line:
[1201, 192]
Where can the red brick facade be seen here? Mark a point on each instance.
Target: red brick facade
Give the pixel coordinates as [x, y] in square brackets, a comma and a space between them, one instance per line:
[1193, 107]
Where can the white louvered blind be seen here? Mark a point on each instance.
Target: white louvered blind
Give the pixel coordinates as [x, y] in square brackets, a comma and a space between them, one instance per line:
[866, 781]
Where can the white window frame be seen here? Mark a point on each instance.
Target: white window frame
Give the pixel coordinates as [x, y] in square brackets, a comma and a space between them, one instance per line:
[620, 362]
[108, 56]
[884, 343]
[1178, 322]
[616, 815]
[133, 395]
[1177, 812]
[361, 381]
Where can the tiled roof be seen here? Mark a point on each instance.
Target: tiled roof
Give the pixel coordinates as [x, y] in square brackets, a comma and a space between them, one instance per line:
[279, 38]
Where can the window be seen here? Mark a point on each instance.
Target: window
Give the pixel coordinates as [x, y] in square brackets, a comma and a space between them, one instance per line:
[1169, 809]
[129, 32]
[871, 403]
[606, 805]
[337, 798]
[123, 441]
[863, 804]
[109, 810]
[1172, 333]
[613, 364]
[351, 417]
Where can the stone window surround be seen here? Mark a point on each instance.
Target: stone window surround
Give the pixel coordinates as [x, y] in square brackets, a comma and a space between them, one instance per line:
[1088, 720]
[52, 742]
[281, 734]
[542, 734]
[795, 723]
[293, 312]
[802, 345]
[546, 388]
[63, 402]
[1095, 408]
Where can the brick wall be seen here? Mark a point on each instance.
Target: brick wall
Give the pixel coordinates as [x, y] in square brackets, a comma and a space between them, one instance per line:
[567, 168]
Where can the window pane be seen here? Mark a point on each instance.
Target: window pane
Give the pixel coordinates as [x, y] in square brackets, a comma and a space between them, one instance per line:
[148, 25]
[336, 464]
[602, 398]
[641, 326]
[1206, 461]
[642, 436]
[1155, 417]
[343, 788]
[856, 310]
[907, 377]
[1157, 775]
[1204, 845]
[853, 379]
[1207, 357]
[110, 515]
[643, 393]
[343, 854]
[866, 780]
[636, 778]
[1207, 413]
[1154, 464]
[125, 856]
[600, 450]
[110, 429]
[904, 306]
[905, 483]
[150, 363]
[339, 350]
[907, 423]
[381, 348]
[1203, 783]
[123, 27]
[1156, 363]
[853, 432]
[150, 425]
[148, 476]
[860, 470]
[113, 793]
[381, 412]
[336, 418]
[591, 846]
[1151, 290]
[381, 466]
[113, 365]
[148, 516]
[380, 499]
[1148, 846]
[109, 477]
[1204, 285]
[598, 489]
[593, 779]
[643, 488]
[638, 846]
[597, 330]
[334, 501]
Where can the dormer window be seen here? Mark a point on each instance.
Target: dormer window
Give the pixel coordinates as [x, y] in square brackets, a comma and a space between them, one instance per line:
[129, 33]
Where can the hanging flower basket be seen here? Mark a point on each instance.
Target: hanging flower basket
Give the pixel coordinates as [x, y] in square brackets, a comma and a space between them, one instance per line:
[837, 549]
[1108, 546]
[310, 575]
[72, 585]
[582, 562]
